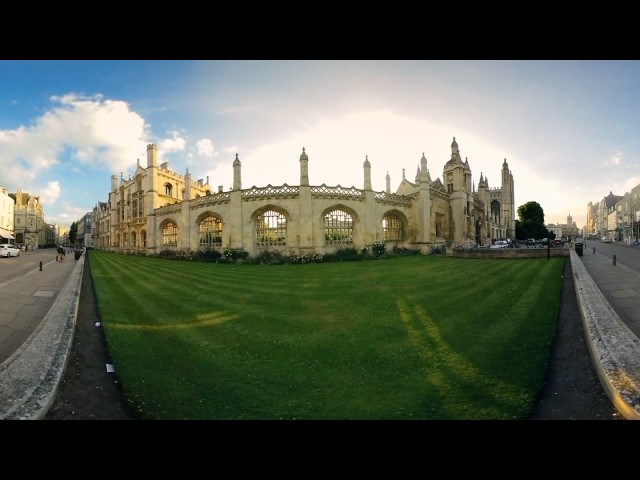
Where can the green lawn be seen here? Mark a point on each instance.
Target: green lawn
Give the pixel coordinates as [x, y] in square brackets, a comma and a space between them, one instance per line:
[419, 337]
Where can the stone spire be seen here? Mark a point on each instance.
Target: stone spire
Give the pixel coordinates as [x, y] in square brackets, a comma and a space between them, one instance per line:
[237, 184]
[304, 169]
[367, 173]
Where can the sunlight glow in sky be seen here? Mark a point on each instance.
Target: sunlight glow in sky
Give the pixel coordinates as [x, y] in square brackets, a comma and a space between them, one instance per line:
[568, 129]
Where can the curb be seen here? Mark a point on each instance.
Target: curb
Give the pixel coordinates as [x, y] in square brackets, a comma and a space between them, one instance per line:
[614, 348]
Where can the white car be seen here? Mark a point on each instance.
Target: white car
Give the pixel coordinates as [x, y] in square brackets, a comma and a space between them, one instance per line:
[606, 240]
[500, 244]
[9, 250]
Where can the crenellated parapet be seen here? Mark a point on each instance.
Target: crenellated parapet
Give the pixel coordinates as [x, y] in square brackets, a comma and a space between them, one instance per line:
[210, 200]
[165, 209]
[284, 191]
[392, 199]
[323, 191]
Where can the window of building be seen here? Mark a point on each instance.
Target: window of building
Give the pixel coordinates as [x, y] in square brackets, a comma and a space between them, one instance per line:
[338, 228]
[168, 189]
[170, 235]
[495, 211]
[210, 232]
[392, 228]
[271, 229]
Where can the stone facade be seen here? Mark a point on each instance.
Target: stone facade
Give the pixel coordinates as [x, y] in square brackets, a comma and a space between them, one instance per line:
[157, 210]
[29, 225]
[565, 230]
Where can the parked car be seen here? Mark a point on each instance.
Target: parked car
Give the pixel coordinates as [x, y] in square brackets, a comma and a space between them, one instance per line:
[9, 250]
[531, 242]
[606, 240]
[500, 244]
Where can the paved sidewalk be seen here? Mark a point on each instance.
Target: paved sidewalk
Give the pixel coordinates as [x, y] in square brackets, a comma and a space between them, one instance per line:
[37, 321]
[25, 301]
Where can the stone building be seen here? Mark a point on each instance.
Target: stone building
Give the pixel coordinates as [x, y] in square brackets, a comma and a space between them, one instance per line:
[565, 230]
[29, 224]
[7, 209]
[603, 220]
[157, 209]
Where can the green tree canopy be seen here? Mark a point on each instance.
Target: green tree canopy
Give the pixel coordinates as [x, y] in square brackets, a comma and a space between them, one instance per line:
[73, 233]
[531, 222]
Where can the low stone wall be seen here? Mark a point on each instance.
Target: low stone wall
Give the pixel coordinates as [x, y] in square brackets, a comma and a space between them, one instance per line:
[508, 252]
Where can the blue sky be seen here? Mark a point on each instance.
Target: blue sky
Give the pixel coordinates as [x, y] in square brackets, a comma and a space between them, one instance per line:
[569, 130]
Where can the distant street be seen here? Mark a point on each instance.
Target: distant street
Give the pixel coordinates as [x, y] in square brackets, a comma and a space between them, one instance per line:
[625, 255]
[16, 267]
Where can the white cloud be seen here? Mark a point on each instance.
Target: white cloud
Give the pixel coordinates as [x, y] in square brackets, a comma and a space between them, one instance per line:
[78, 134]
[50, 193]
[78, 131]
[205, 148]
[631, 183]
[176, 143]
[615, 159]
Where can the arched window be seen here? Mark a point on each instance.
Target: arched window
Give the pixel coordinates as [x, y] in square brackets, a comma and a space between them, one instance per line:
[168, 189]
[133, 240]
[170, 235]
[210, 232]
[495, 211]
[392, 227]
[271, 229]
[338, 228]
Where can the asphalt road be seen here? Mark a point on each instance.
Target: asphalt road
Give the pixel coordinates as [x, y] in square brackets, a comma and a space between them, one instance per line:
[15, 267]
[629, 257]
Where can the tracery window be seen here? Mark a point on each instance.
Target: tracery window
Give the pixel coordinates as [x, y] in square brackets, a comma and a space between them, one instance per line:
[210, 232]
[271, 229]
[495, 211]
[168, 189]
[170, 235]
[338, 228]
[393, 228]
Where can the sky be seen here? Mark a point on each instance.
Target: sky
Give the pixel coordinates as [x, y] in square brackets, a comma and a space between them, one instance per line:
[568, 129]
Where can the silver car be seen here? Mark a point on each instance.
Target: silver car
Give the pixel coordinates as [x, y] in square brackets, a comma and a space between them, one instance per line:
[9, 250]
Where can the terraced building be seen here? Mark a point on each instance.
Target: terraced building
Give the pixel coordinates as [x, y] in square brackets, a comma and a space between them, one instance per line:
[157, 210]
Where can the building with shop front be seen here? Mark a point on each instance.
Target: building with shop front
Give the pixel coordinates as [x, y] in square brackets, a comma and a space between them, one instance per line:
[156, 209]
[7, 209]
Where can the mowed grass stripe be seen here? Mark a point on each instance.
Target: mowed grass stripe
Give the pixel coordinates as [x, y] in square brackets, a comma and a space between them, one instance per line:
[420, 337]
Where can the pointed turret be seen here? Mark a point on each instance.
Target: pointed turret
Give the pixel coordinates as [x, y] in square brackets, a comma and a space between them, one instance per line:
[367, 173]
[304, 168]
[237, 184]
[187, 185]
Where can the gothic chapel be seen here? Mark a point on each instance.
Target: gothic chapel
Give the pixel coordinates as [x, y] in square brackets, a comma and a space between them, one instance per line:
[157, 209]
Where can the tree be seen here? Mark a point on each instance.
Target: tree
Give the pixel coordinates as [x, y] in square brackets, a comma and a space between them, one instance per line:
[73, 233]
[531, 222]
